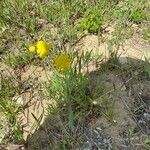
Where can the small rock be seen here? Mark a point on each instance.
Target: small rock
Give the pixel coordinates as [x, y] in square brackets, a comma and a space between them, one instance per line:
[123, 88]
[147, 116]
[87, 146]
[141, 122]
[123, 60]
[99, 129]
[22, 32]
[94, 102]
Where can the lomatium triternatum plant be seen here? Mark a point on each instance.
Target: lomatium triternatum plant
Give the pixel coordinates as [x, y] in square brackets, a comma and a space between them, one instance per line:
[68, 85]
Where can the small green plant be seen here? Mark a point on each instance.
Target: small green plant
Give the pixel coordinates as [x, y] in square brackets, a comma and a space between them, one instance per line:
[91, 22]
[109, 108]
[68, 88]
[147, 143]
[70, 91]
[138, 10]
[138, 15]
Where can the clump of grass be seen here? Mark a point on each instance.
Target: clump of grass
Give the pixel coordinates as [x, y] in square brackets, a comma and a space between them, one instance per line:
[147, 143]
[132, 10]
[70, 89]
[108, 107]
[62, 20]
[138, 15]
[13, 12]
[91, 22]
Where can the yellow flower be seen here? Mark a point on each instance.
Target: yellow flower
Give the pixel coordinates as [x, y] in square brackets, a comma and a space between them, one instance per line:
[32, 49]
[43, 48]
[62, 62]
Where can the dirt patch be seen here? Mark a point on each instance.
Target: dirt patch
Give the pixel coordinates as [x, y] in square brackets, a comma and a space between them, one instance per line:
[130, 127]
[135, 47]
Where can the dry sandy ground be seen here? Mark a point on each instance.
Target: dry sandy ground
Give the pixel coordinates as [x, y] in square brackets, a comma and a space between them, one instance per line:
[133, 48]
[90, 42]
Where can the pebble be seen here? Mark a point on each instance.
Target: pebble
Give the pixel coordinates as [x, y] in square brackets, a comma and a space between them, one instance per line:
[123, 60]
[147, 116]
[141, 122]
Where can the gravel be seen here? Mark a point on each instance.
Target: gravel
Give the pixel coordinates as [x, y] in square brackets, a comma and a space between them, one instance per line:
[96, 139]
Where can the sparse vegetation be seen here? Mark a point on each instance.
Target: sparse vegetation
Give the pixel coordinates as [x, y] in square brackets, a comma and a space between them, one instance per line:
[67, 63]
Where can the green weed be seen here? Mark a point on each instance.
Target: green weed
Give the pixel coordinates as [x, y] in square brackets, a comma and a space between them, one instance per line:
[147, 143]
[108, 107]
[70, 91]
[91, 22]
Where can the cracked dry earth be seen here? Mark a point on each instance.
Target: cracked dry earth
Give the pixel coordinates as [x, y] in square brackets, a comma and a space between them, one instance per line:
[130, 128]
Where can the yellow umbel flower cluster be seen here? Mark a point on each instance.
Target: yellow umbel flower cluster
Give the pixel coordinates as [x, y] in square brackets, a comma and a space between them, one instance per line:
[62, 62]
[42, 48]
